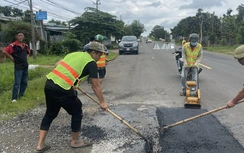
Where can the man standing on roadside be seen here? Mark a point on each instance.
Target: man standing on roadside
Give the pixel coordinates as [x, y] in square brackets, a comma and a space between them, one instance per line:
[18, 52]
[239, 55]
[59, 92]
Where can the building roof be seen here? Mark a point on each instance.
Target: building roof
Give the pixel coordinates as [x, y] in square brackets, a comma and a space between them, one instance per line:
[9, 18]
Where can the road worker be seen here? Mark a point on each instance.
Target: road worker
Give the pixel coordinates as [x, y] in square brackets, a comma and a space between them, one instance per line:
[239, 55]
[191, 55]
[101, 63]
[60, 92]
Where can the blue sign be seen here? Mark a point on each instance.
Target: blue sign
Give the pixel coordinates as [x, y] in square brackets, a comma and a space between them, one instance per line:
[41, 15]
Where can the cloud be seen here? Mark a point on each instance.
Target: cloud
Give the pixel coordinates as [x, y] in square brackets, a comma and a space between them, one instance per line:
[166, 13]
[154, 4]
[202, 4]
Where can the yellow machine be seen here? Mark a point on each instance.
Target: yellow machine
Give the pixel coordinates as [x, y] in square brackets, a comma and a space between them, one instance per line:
[193, 96]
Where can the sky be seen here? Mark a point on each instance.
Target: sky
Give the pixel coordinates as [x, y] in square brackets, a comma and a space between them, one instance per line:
[166, 13]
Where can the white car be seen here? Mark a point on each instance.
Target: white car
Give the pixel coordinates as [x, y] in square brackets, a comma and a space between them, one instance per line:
[148, 40]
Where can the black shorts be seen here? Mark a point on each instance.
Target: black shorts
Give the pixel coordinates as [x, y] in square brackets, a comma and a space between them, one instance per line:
[101, 73]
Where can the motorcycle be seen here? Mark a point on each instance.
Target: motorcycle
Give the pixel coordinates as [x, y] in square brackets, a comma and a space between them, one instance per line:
[178, 58]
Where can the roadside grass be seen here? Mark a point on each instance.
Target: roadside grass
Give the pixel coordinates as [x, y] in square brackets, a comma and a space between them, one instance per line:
[229, 50]
[34, 94]
[112, 55]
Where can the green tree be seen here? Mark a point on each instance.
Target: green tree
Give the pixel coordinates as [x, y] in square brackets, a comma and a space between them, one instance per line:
[228, 28]
[93, 22]
[158, 32]
[185, 27]
[207, 25]
[17, 12]
[128, 30]
[71, 43]
[240, 16]
[6, 10]
[15, 26]
[11, 11]
[57, 22]
[137, 28]
[240, 35]
[27, 16]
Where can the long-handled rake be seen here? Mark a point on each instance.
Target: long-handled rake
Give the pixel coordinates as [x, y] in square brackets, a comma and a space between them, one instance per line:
[149, 145]
[195, 117]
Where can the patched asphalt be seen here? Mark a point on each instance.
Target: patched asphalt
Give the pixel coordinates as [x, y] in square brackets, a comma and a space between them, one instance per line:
[202, 135]
[109, 135]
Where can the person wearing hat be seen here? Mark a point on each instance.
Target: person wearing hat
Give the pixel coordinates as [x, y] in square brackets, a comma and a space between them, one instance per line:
[60, 92]
[239, 55]
[101, 63]
[191, 55]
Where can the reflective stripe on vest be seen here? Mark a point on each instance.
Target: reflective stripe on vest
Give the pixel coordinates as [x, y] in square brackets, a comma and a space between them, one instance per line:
[192, 54]
[102, 61]
[65, 78]
[68, 71]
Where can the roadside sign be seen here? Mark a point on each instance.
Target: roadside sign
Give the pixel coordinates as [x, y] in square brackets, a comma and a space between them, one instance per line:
[41, 15]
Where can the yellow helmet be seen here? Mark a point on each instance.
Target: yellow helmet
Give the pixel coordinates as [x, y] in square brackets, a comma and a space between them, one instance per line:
[239, 52]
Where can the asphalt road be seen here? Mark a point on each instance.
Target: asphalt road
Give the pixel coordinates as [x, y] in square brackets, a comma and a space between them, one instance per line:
[151, 79]
[144, 90]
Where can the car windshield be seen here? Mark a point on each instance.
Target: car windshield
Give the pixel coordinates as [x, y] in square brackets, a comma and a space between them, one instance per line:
[129, 39]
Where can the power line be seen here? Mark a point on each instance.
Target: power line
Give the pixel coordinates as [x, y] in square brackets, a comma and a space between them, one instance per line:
[15, 3]
[60, 6]
[53, 13]
[26, 6]
[20, 2]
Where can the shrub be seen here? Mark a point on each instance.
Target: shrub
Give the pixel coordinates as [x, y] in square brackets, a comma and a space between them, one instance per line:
[223, 42]
[56, 48]
[72, 45]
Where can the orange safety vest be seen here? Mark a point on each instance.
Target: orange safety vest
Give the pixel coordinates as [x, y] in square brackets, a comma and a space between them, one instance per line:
[102, 61]
[68, 71]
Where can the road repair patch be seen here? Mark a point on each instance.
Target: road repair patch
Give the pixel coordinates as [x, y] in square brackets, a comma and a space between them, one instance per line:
[121, 139]
[202, 135]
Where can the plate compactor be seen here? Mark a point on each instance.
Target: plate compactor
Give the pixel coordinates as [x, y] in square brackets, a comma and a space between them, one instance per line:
[193, 96]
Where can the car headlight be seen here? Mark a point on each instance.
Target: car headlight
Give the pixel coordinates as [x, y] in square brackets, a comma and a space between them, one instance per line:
[135, 44]
[120, 45]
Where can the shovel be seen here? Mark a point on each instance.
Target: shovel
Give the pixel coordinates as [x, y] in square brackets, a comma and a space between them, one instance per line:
[149, 145]
[195, 117]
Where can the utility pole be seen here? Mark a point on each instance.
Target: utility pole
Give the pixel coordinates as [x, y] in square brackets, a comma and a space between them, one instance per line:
[32, 32]
[201, 24]
[97, 3]
[212, 22]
